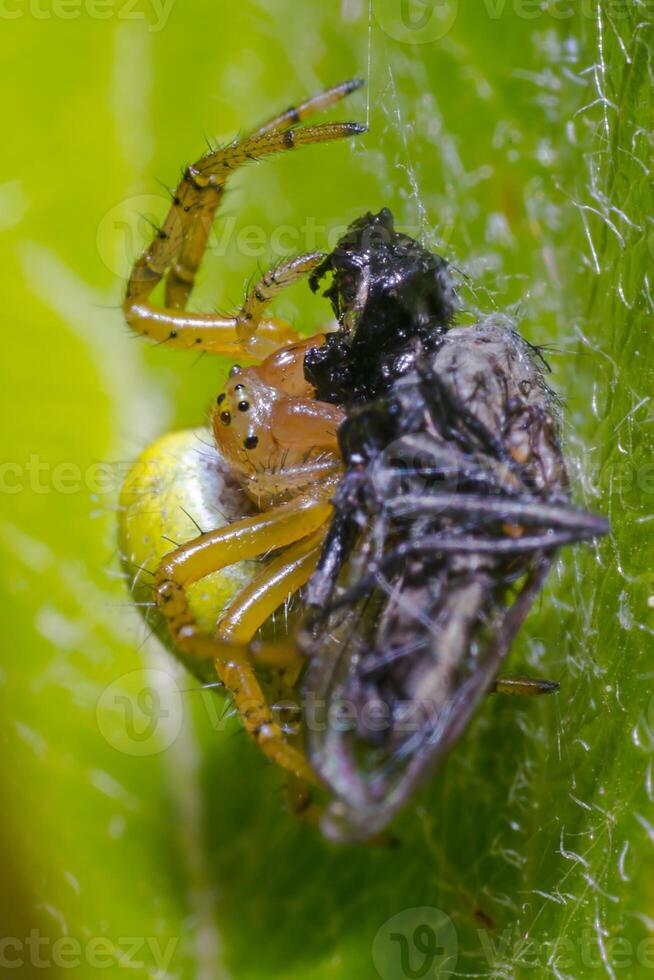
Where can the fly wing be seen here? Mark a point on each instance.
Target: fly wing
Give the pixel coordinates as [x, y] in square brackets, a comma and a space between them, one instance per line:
[399, 673]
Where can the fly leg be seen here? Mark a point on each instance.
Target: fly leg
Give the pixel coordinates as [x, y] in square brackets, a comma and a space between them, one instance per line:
[524, 686]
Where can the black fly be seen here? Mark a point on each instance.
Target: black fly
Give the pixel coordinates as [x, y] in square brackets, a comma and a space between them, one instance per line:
[454, 500]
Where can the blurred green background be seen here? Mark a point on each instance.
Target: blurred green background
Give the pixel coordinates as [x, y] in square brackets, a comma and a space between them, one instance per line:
[517, 137]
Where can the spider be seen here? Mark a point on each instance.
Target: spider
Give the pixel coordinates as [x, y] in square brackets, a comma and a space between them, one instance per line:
[404, 473]
[278, 441]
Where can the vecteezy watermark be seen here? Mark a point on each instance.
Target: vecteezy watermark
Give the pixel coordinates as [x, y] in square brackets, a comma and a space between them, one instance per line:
[426, 21]
[141, 713]
[632, 484]
[586, 951]
[422, 944]
[99, 952]
[154, 13]
[127, 227]
[416, 21]
[40, 476]
[416, 944]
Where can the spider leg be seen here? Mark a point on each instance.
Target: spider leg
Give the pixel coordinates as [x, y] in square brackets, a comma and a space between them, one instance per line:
[210, 173]
[181, 278]
[281, 577]
[247, 538]
[178, 246]
[232, 661]
[262, 294]
[242, 335]
[316, 103]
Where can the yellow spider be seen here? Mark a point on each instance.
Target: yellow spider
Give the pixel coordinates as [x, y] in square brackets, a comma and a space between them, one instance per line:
[274, 441]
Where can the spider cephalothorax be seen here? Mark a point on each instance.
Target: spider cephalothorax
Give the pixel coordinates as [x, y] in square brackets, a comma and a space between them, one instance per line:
[268, 424]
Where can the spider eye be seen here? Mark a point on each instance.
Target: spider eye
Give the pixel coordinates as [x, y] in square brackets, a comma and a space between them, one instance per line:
[243, 406]
[251, 442]
[225, 417]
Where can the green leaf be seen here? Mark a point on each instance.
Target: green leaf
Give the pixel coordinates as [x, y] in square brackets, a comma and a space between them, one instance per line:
[519, 143]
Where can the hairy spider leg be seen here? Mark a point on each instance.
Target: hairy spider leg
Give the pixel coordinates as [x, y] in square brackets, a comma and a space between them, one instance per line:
[204, 181]
[181, 278]
[283, 576]
[243, 335]
[244, 539]
[314, 104]
[263, 293]
[212, 171]
[247, 538]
